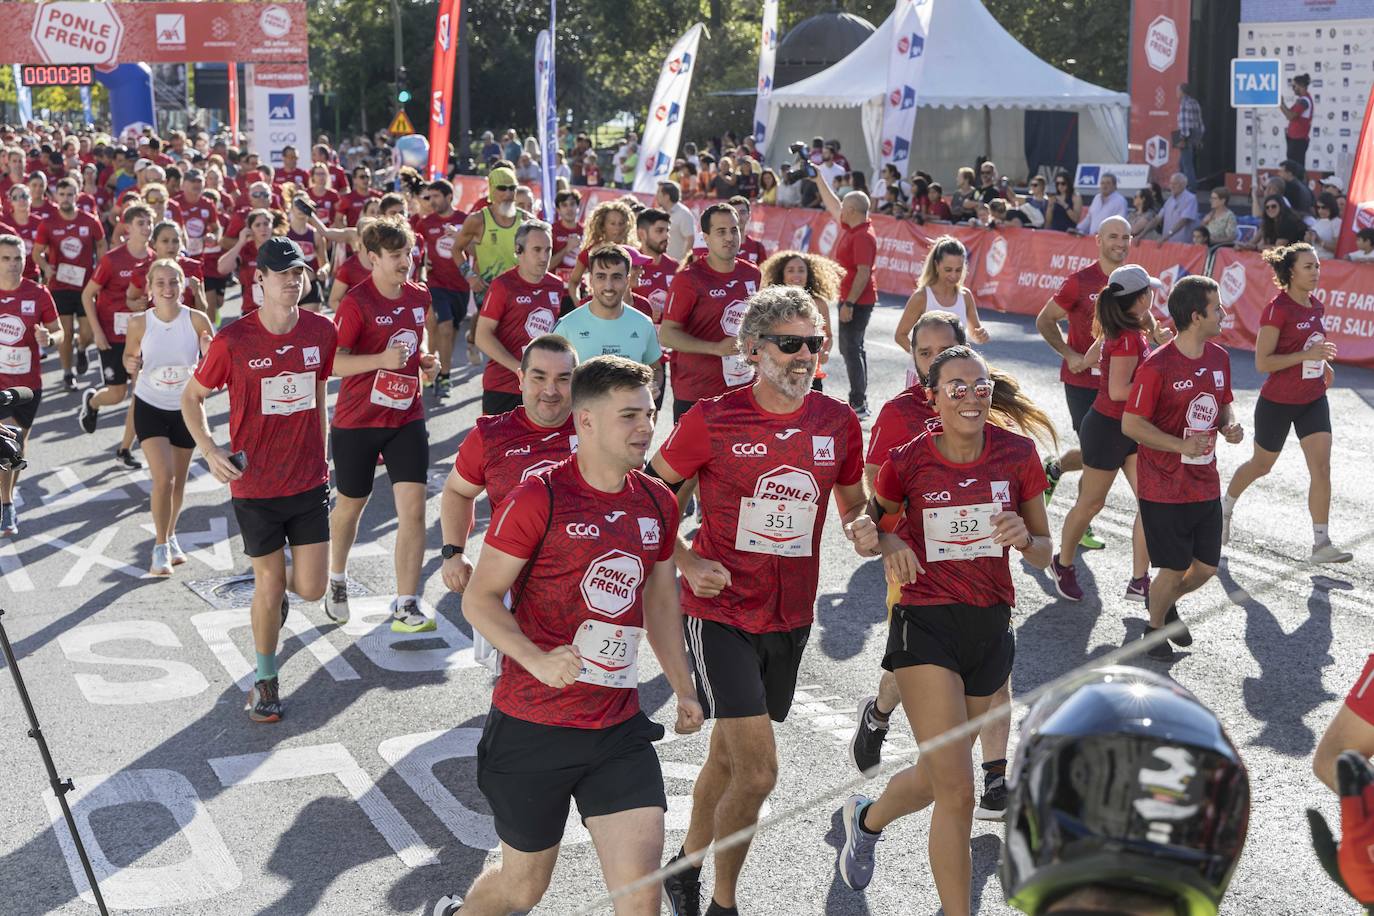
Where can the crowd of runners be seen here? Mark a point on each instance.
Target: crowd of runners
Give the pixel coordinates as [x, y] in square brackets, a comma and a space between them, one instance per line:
[706, 545]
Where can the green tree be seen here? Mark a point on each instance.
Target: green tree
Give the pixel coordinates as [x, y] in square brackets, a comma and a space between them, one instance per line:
[1084, 38]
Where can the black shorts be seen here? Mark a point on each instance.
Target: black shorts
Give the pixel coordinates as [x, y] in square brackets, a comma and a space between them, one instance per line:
[449, 304]
[976, 643]
[23, 415]
[153, 422]
[1176, 534]
[1105, 447]
[496, 402]
[1080, 402]
[68, 302]
[112, 369]
[741, 674]
[268, 524]
[530, 773]
[216, 284]
[680, 407]
[1273, 420]
[404, 449]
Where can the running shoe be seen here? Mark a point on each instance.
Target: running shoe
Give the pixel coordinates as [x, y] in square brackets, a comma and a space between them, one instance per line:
[162, 561]
[856, 855]
[1160, 652]
[1052, 478]
[1184, 639]
[178, 555]
[336, 601]
[1330, 553]
[126, 457]
[264, 702]
[863, 413]
[1065, 580]
[992, 806]
[9, 520]
[83, 362]
[86, 415]
[448, 905]
[406, 618]
[68, 383]
[866, 747]
[442, 387]
[1138, 589]
[683, 892]
[1090, 541]
[285, 606]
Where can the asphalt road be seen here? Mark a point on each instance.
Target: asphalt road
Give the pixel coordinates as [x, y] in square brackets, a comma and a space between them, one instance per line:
[364, 799]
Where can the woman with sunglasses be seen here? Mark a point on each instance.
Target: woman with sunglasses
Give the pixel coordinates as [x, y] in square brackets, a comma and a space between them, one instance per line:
[971, 494]
[24, 223]
[242, 257]
[1279, 227]
[1065, 207]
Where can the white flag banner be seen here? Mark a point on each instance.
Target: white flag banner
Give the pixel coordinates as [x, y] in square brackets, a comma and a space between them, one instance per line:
[663, 126]
[768, 52]
[544, 90]
[905, 62]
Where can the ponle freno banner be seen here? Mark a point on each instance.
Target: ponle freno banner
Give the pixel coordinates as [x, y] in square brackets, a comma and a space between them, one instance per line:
[905, 64]
[547, 114]
[441, 85]
[768, 52]
[66, 32]
[1159, 62]
[663, 126]
[1359, 212]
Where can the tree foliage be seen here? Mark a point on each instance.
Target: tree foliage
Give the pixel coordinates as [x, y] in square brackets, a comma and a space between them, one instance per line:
[609, 53]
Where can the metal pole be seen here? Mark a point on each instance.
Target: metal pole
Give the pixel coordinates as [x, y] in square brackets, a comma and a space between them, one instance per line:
[396, 38]
[464, 96]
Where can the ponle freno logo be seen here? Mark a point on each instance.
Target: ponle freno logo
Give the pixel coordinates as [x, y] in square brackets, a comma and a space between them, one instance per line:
[996, 258]
[1161, 43]
[1232, 284]
[274, 21]
[611, 582]
[77, 33]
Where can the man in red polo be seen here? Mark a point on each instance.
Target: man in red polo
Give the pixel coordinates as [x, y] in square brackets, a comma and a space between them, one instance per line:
[856, 251]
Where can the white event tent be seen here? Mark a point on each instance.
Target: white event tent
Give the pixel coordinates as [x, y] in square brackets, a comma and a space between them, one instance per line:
[978, 81]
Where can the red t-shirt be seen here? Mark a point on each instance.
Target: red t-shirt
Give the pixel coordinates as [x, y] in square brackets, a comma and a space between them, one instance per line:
[655, 279]
[298, 176]
[522, 311]
[1299, 326]
[1300, 128]
[326, 204]
[202, 229]
[71, 248]
[351, 272]
[351, 205]
[709, 306]
[1180, 396]
[900, 420]
[589, 575]
[740, 451]
[560, 238]
[113, 275]
[1131, 343]
[1008, 472]
[858, 247]
[28, 232]
[21, 310]
[753, 251]
[339, 177]
[1078, 297]
[247, 271]
[273, 415]
[189, 266]
[369, 322]
[505, 449]
[443, 272]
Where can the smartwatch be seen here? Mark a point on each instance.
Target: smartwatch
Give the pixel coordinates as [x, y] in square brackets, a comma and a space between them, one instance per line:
[450, 551]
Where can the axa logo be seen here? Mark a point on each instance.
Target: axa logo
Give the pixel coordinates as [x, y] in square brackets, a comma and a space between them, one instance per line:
[939, 496]
[264, 363]
[582, 530]
[281, 106]
[787, 433]
[749, 450]
[1183, 385]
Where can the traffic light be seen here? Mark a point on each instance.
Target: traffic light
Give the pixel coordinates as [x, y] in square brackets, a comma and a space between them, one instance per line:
[403, 96]
[402, 93]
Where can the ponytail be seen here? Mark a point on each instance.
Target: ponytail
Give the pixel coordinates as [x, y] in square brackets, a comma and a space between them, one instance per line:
[1113, 316]
[1012, 409]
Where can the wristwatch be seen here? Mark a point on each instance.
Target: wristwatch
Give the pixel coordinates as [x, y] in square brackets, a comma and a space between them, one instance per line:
[450, 551]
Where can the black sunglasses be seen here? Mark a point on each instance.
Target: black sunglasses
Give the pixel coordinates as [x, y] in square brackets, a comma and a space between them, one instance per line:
[503, 187]
[791, 343]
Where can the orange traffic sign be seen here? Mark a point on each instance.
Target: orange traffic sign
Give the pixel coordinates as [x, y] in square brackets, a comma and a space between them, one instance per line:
[401, 124]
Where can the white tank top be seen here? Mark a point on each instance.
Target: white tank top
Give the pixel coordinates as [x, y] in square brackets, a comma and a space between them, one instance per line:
[933, 304]
[170, 351]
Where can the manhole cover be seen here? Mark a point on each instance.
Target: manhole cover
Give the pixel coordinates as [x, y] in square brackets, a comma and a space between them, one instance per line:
[225, 592]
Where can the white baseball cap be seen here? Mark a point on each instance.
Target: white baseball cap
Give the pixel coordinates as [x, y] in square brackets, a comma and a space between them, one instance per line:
[1132, 278]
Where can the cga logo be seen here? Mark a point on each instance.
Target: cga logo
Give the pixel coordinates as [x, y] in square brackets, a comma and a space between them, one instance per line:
[939, 496]
[611, 582]
[581, 530]
[264, 363]
[749, 449]
[1183, 385]
[281, 106]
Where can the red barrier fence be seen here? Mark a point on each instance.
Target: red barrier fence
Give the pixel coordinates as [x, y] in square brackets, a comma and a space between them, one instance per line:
[1017, 270]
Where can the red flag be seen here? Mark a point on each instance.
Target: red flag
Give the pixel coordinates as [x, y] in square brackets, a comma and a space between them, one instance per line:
[441, 87]
[233, 103]
[1359, 208]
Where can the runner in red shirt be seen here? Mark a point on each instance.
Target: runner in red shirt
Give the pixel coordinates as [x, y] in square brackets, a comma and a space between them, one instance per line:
[970, 493]
[856, 252]
[380, 413]
[655, 278]
[520, 305]
[354, 270]
[66, 248]
[567, 232]
[750, 249]
[25, 223]
[275, 363]
[706, 303]
[241, 257]
[1126, 330]
[324, 155]
[1180, 400]
[588, 585]
[503, 450]
[108, 309]
[1293, 349]
[325, 198]
[352, 203]
[448, 288]
[768, 456]
[167, 243]
[290, 171]
[1075, 302]
[28, 320]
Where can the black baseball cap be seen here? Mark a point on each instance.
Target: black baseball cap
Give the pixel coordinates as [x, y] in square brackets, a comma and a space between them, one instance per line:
[280, 254]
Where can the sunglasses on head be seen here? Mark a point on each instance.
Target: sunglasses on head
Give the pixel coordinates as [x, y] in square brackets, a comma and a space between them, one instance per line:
[791, 343]
[957, 391]
[503, 187]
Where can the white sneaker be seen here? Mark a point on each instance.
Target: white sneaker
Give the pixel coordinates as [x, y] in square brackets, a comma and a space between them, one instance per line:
[1330, 553]
[336, 601]
[162, 561]
[178, 555]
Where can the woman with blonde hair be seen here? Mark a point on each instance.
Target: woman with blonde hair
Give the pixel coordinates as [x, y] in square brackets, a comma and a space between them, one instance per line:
[941, 287]
[816, 274]
[609, 224]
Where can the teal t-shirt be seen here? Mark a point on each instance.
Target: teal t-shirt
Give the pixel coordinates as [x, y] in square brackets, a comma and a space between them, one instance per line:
[632, 335]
